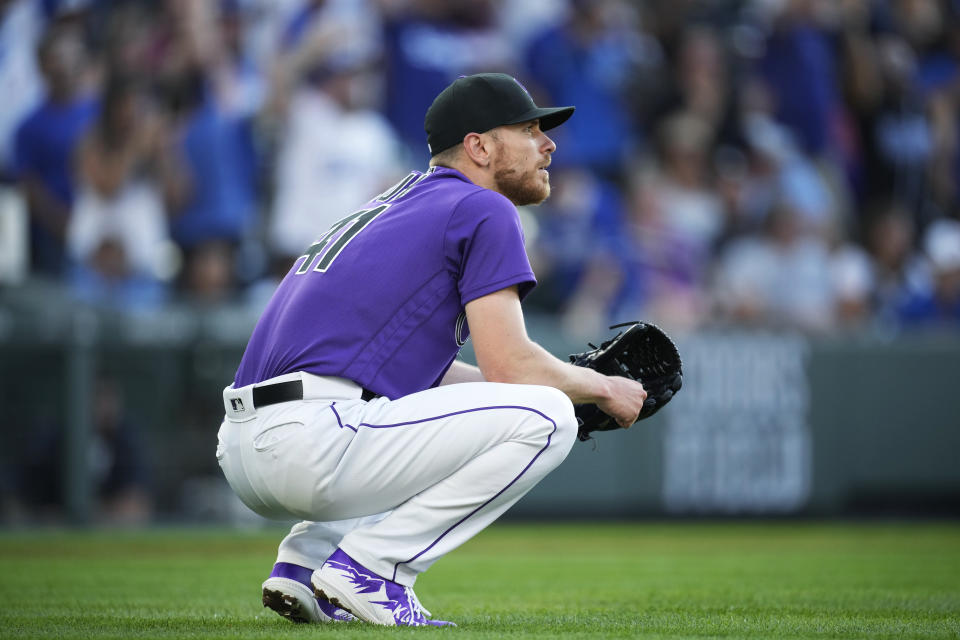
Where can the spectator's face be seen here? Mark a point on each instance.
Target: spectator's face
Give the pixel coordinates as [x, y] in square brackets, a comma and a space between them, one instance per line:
[210, 272]
[520, 159]
[701, 56]
[110, 260]
[898, 61]
[686, 139]
[687, 166]
[785, 227]
[921, 20]
[351, 88]
[63, 62]
[123, 115]
[891, 239]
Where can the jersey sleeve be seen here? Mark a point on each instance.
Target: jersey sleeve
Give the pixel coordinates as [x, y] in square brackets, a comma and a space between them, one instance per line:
[484, 246]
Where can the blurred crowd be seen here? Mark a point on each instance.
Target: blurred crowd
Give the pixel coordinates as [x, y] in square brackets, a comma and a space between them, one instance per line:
[763, 163]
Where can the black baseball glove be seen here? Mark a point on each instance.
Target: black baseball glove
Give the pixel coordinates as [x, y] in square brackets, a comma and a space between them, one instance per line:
[642, 352]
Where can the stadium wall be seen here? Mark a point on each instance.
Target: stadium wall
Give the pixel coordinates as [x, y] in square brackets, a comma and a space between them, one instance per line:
[767, 425]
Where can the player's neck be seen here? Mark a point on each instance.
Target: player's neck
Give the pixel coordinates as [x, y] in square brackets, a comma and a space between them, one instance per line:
[480, 176]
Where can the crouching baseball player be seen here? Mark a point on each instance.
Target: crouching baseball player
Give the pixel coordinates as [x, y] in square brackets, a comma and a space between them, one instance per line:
[349, 409]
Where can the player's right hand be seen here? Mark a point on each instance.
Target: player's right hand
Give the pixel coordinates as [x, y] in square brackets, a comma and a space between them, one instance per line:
[625, 400]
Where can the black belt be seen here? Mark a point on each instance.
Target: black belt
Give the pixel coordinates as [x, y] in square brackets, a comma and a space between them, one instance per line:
[291, 390]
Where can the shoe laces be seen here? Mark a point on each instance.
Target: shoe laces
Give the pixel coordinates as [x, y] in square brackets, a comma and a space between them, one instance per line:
[415, 604]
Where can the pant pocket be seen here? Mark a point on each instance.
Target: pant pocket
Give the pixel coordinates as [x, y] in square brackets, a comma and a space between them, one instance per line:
[269, 438]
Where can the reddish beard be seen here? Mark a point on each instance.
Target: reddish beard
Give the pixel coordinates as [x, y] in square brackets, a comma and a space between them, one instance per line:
[531, 187]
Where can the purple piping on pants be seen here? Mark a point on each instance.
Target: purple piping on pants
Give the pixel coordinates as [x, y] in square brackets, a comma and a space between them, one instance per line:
[447, 415]
[495, 496]
[339, 421]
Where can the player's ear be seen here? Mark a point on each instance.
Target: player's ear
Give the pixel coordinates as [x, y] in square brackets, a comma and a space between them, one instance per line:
[478, 148]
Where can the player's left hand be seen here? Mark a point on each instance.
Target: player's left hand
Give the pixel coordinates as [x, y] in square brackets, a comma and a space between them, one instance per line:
[643, 352]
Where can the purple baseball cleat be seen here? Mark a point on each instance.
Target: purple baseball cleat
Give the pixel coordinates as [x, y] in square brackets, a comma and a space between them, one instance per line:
[288, 592]
[347, 584]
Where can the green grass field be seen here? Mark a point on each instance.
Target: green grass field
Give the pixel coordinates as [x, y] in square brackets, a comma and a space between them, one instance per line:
[750, 580]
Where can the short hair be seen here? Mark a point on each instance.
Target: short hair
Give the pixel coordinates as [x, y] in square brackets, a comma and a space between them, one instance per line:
[447, 157]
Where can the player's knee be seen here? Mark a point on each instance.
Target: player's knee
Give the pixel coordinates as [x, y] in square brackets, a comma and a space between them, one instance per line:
[561, 422]
[567, 424]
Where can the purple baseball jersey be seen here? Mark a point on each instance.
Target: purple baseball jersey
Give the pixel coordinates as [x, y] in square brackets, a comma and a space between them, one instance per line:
[379, 298]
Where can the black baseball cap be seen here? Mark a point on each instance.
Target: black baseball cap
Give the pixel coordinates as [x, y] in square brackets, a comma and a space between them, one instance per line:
[478, 103]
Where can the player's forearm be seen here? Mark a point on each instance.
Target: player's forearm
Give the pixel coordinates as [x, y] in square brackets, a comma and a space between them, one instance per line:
[535, 365]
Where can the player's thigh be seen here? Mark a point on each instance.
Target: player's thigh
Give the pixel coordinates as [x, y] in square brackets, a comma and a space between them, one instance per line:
[404, 446]
[286, 456]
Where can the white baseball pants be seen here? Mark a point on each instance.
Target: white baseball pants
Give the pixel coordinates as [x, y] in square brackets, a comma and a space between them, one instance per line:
[396, 483]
